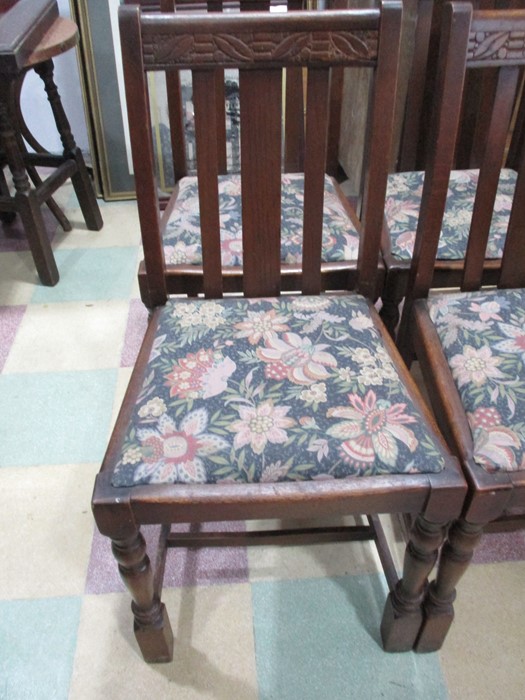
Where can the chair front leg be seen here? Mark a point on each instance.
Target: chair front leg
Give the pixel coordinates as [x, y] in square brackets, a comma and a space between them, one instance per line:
[438, 606]
[403, 614]
[152, 626]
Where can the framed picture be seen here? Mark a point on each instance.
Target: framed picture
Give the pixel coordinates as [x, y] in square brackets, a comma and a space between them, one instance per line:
[105, 97]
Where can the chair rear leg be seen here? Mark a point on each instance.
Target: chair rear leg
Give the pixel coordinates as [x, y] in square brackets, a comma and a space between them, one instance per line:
[152, 626]
[403, 614]
[462, 540]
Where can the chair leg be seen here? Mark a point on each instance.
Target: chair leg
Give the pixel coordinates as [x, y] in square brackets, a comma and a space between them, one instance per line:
[152, 626]
[81, 180]
[438, 607]
[403, 614]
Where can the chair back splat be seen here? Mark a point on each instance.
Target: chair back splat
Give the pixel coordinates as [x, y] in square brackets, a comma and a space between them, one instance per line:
[484, 132]
[264, 404]
[470, 341]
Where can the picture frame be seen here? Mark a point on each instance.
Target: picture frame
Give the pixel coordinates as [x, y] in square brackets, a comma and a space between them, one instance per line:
[101, 69]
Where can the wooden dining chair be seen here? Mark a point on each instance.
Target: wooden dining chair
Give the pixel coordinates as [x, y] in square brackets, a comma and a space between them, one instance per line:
[267, 405]
[180, 221]
[471, 343]
[405, 186]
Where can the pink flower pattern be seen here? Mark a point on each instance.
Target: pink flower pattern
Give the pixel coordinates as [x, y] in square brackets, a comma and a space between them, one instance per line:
[486, 355]
[246, 390]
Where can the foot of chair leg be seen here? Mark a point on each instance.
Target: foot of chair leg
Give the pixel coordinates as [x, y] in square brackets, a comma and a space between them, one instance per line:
[400, 626]
[403, 615]
[438, 617]
[439, 604]
[155, 639]
[152, 626]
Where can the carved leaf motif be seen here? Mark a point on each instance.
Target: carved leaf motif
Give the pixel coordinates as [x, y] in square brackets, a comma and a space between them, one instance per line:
[169, 49]
[291, 46]
[349, 44]
[233, 47]
[491, 44]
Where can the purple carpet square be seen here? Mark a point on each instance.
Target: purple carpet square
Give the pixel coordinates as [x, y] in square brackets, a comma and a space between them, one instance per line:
[184, 567]
[13, 237]
[500, 546]
[135, 330]
[10, 317]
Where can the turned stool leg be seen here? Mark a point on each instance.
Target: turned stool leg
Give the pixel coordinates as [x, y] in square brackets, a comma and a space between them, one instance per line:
[26, 202]
[81, 180]
[152, 625]
[438, 607]
[403, 615]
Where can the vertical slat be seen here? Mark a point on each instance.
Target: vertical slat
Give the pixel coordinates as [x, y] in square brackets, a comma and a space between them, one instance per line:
[175, 112]
[513, 263]
[334, 124]
[489, 175]
[442, 141]
[410, 138]
[137, 99]
[381, 125]
[314, 160]
[294, 122]
[294, 113]
[261, 114]
[204, 82]
[176, 117]
[220, 106]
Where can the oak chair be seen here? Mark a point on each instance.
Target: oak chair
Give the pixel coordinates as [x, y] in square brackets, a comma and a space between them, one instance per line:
[180, 221]
[268, 405]
[405, 186]
[470, 343]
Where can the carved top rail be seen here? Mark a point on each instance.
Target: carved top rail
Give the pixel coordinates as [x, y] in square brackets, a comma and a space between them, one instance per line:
[252, 39]
[495, 42]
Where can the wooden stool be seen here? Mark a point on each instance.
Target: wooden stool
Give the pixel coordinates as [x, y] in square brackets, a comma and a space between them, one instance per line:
[30, 192]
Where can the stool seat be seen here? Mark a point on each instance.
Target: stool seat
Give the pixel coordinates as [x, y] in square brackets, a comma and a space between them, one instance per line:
[30, 191]
[61, 36]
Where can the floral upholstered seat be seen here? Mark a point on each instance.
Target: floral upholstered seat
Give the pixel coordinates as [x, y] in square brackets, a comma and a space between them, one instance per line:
[283, 389]
[182, 241]
[483, 337]
[402, 212]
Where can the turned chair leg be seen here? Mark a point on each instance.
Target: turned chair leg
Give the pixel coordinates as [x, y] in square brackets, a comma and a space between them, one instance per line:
[403, 614]
[456, 555]
[152, 626]
[81, 180]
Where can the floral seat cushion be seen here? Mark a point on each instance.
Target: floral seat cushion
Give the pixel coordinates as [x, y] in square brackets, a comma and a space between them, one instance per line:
[283, 389]
[402, 212]
[182, 243]
[483, 337]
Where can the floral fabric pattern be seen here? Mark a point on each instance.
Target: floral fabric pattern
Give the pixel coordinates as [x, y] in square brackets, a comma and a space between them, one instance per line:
[483, 337]
[182, 238]
[283, 389]
[402, 204]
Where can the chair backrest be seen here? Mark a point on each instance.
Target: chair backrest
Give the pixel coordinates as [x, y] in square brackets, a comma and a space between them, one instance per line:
[471, 41]
[179, 97]
[261, 46]
[421, 86]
